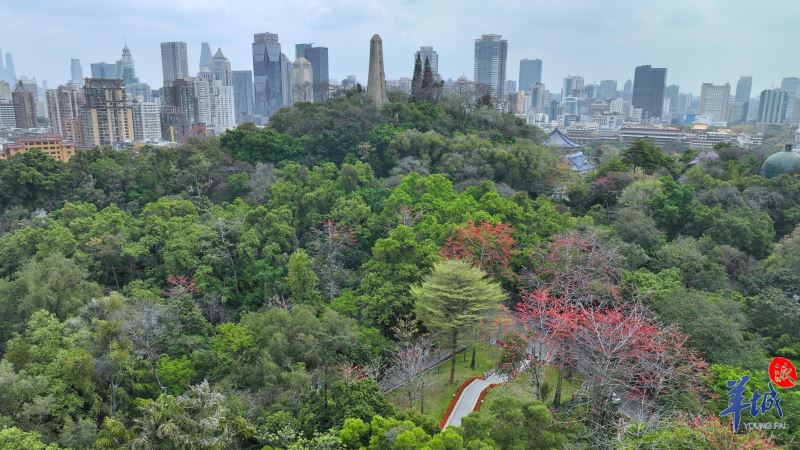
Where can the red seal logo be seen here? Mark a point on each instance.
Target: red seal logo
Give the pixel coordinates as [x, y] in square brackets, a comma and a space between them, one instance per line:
[782, 372]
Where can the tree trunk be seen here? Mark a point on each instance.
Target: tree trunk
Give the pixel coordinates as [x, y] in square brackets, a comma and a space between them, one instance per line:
[474, 351]
[557, 395]
[454, 347]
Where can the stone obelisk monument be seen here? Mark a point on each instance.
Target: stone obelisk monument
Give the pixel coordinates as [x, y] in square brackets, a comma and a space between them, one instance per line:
[376, 81]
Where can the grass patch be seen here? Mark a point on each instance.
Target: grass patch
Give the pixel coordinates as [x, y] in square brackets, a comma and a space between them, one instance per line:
[522, 388]
[440, 392]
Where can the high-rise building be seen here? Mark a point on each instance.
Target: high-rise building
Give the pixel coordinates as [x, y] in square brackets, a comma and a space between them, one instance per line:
[179, 111]
[174, 61]
[5, 91]
[572, 87]
[64, 109]
[243, 96]
[106, 119]
[491, 52]
[538, 96]
[24, 106]
[302, 81]
[221, 68]
[627, 91]
[427, 51]
[743, 87]
[286, 80]
[714, 100]
[104, 70]
[510, 87]
[126, 70]
[318, 57]
[205, 57]
[671, 94]
[530, 73]
[223, 115]
[203, 98]
[608, 89]
[591, 91]
[267, 74]
[300, 50]
[141, 91]
[648, 90]
[7, 72]
[740, 105]
[792, 87]
[772, 106]
[76, 72]
[7, 117]
[146, 120]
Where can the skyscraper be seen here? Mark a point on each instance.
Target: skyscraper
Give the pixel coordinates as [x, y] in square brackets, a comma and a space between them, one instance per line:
[106, 119]
[221, 68]
[267, 74]
[491, 52]
[24, 106]
[740, 106]
[174, 61]
[510, 87]
[318, 57]
[205, 57]
[64, 106]
[302, 81]
[125, 68]
[427, 51]
[573, 87]
[286, 80]
[671, 94]
[627, 91]
[243, 96]
[5, 91]
[76, 72]
[772, 106]
[530, 72]
[104, 70]
[648, 90]
[743, 88]
[146, 120]
[608, 89]
[714, 101]
[7, 73]
[792, 87]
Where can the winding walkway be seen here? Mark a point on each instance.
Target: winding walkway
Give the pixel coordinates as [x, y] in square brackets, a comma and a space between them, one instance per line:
[470, 396]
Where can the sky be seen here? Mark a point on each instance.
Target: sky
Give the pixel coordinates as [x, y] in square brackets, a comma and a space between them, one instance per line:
[696, 40]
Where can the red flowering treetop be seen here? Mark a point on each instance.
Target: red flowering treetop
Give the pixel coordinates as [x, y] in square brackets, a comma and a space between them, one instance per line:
[487, 246]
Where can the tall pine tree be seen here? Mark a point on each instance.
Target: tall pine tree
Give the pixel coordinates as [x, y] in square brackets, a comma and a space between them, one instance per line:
[426, 93]
[416, 82]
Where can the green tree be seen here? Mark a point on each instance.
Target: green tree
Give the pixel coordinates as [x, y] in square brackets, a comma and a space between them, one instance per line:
[453, 299]
[15, 439]
[301, 280]
[31, 180]
[513, 424]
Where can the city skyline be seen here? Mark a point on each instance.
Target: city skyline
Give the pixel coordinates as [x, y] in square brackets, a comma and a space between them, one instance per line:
[622, 41]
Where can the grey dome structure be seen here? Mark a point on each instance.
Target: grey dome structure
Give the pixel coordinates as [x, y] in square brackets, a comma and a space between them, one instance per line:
[780, 163]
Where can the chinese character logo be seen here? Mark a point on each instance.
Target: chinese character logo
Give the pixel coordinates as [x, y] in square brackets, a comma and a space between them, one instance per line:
[782, 372]
[736, 403]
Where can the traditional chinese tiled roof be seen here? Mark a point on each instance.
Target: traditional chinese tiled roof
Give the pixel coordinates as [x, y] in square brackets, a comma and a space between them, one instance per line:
[558, 139]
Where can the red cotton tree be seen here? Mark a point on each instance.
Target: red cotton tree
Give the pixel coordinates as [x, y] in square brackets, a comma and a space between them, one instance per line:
[487, 246]
[630, 366]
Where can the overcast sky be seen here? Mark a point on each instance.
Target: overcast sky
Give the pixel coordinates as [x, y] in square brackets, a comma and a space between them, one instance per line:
[697, 40]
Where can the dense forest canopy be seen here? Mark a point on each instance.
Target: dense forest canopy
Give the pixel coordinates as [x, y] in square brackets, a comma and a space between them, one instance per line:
[257, 290]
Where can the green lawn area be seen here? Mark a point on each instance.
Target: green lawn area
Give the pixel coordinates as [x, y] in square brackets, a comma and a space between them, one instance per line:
[440, 393]
[522, 388]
